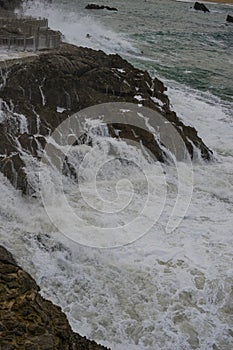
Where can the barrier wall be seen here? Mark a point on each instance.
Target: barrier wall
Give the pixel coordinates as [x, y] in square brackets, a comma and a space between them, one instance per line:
[18, 21]
[27, 34]
[33, 43]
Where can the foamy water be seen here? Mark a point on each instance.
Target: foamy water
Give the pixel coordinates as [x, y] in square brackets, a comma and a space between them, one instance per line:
[164, 291]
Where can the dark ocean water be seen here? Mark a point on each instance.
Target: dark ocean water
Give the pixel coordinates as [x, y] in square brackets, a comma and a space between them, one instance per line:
[178, 43]
[190, 47]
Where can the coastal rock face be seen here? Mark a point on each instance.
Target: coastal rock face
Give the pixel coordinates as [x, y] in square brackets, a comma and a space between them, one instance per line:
[200, 7]
[39, 93]
[28, 321]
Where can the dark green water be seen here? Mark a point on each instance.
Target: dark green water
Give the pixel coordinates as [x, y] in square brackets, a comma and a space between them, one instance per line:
[188, 46]
[166, 37]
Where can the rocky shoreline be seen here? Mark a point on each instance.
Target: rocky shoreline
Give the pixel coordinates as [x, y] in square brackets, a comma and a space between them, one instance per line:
[38, 94]
[27, 320]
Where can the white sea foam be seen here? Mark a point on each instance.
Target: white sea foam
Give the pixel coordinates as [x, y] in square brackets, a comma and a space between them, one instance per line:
[207, 113]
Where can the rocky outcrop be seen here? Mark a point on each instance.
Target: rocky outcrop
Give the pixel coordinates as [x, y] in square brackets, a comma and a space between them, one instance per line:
[27, 320]
[229, 19]
[40, 93]
[200, 7]
[100, 7]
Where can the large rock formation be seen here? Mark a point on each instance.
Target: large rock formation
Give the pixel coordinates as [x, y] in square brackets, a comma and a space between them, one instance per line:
[73, 78]
[28, 321]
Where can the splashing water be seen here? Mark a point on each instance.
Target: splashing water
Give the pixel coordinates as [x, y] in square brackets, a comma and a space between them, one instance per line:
[166, 290]
[80, 28]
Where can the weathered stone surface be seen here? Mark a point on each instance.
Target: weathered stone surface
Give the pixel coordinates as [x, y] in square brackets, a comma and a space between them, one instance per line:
[200, 7]
[28, 321]
[73, 78]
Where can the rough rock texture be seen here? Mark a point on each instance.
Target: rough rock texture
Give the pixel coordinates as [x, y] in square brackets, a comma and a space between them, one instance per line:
[200, 7]
[73, 78]
[229, 18]
[28, 321]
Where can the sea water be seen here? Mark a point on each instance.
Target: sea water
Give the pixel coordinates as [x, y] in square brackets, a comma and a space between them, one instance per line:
[166, 290]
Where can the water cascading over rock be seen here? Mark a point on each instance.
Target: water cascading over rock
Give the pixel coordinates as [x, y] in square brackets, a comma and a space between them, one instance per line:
[40, 92]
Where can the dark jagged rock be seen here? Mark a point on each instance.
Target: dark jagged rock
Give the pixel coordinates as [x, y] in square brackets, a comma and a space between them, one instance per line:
[6, 256]
[94, 7]
[100, 7]
[229, 18]
[27, 320]
[200, 7]
[74, 78]
[111, 8]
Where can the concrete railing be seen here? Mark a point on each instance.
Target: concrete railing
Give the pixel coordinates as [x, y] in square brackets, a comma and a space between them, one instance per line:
[24, 28]
[19, 21]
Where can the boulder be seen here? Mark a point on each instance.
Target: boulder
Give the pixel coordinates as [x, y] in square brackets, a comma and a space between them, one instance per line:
[41, 93]
[27, 320]
[229, 19]
[100, 7]
[200, 7]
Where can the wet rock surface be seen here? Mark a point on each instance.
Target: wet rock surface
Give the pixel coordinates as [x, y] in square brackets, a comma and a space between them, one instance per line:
[37, 95]
[28, 321]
